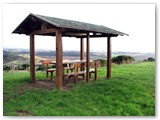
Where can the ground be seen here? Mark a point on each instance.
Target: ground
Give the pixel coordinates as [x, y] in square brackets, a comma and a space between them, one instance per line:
[130, 92]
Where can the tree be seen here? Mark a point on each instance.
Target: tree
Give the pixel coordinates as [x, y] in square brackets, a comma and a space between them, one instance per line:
[25, 66]
[122, 59]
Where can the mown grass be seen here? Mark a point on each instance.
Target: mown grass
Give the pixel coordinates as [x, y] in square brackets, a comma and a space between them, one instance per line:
[130, 92]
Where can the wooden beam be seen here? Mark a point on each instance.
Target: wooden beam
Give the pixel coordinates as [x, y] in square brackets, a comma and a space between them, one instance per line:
[82, 49]
[87, 58]
[72, 34]
[108, 57]
[32, 59]
[44, 31]
[94, 36]
[59, 58]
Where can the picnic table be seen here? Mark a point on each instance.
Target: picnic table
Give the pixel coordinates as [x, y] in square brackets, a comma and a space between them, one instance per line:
[74, 66]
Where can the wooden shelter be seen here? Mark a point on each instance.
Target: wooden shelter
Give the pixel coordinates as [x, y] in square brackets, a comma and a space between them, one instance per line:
[35, 24]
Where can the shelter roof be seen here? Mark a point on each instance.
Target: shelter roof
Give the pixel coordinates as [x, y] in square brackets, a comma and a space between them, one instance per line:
[33, 22]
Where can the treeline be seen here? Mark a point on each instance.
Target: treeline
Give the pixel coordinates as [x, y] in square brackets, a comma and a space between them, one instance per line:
[122, 59]
[16, 67]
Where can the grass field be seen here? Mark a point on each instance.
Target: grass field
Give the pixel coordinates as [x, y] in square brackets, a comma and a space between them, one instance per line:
[130, 92]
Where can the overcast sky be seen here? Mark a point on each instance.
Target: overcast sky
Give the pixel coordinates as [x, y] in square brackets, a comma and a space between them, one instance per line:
[137, 20]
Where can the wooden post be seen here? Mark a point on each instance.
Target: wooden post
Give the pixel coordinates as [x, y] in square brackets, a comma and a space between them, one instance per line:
[59, 58]
[95, 65]
[82, 52]
[82, 49]
[108, 57]
[32, 59]
[88, 58]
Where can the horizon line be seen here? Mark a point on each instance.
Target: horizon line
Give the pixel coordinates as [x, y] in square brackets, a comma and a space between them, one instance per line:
[79, 50]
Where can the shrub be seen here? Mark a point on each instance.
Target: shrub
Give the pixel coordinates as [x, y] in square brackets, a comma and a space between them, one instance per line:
[150, 59]
[25, 66]
[122, 59]
[41, 68]
[6, 68]
[144, 60]
[103, 62]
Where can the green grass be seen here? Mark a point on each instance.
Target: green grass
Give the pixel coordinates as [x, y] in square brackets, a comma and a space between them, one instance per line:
[130, 92]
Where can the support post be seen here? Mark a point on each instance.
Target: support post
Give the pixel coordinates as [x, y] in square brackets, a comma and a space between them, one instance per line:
[82, 52]
[82, 49]
[59, 58]
[108, 57]
[32, 59]
[88, 58]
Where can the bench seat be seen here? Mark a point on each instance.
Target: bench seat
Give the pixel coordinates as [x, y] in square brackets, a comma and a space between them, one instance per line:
[50, 70]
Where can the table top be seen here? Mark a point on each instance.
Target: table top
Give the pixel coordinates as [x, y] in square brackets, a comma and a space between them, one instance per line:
[71, 61]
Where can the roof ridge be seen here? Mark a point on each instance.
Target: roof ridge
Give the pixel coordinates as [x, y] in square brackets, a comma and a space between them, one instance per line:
[46, 20]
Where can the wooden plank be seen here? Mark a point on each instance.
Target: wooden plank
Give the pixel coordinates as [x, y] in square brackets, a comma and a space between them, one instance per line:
[32, 59]
[108, 57]
[43, 31]
[59, 59]
[82, 49]
[87, 58]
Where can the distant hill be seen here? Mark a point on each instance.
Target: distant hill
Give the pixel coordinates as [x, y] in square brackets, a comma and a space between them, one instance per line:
[136, 55]
[22, 55]
[9, 57]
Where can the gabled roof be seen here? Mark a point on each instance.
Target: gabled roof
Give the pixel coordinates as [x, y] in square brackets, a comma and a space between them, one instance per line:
[34, 21]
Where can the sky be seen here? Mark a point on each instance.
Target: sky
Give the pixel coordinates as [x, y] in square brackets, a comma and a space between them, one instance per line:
[137, 20]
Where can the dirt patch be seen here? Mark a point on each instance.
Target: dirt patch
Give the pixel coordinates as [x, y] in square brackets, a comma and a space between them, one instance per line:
[39, 84]
[23, 113]
[42, 84]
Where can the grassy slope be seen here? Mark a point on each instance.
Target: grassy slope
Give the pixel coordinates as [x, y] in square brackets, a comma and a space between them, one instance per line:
[130, 92]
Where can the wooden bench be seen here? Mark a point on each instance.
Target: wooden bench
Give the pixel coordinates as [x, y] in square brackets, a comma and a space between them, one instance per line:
[93, 69]
[51, 70]
[77, 71]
